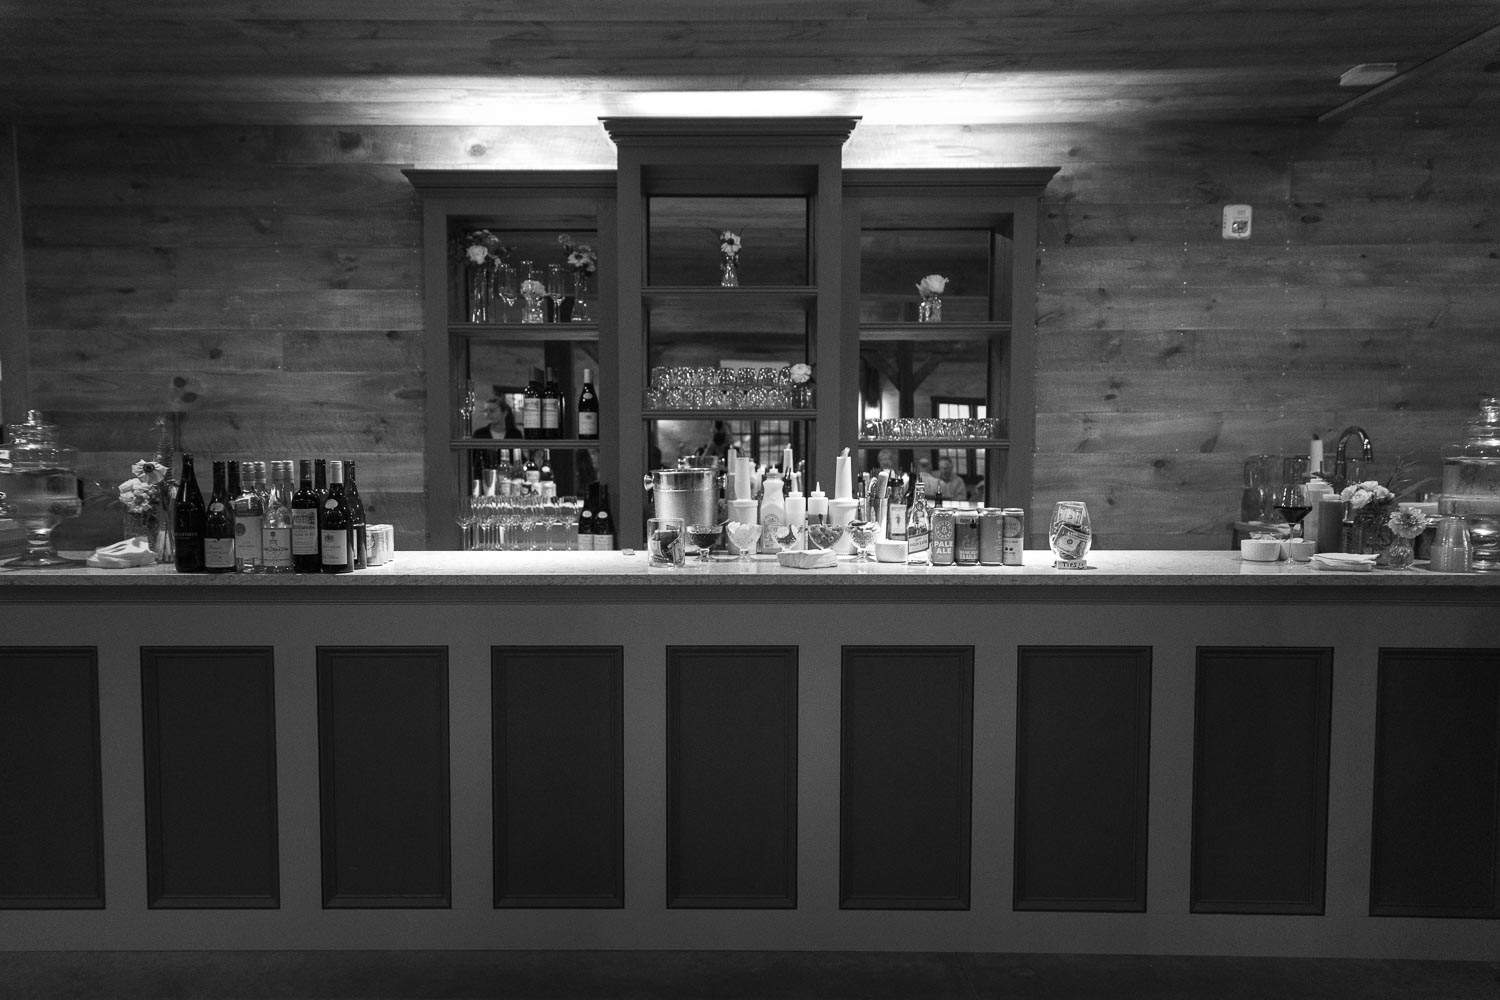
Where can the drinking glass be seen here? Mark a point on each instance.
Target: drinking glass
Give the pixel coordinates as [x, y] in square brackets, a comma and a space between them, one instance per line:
[463, 516]
[505, 284]
[1292, 504]
[664, 541]
[704, 537]
[557, 289]
[1071, 533]
[744, 535]
[862, 533]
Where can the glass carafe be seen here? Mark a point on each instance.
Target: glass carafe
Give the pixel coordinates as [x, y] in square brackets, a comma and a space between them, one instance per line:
[38, 487]
[1260, 482]
[1471, 484]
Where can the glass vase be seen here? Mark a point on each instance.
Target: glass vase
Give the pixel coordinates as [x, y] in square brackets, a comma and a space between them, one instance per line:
[1373, 539]
[152, 526]
[1399, 554]
[479, 292]
[533, 307]
[729, 271]
[582, 310]
[930, 309]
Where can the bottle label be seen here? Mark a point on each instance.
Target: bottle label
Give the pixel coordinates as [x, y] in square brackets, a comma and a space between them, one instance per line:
[895, 521]
[218, 553]
[335, 547]
[588, 425]
[770, 529]
[585, 542]
[276, 547]
[531, 415]
[604, 542]
[305, 531]
[247, 538]
[551, 415]
[917, 540]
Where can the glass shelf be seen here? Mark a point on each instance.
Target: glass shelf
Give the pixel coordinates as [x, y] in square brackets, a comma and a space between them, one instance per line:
[526, 331]
[932, 331]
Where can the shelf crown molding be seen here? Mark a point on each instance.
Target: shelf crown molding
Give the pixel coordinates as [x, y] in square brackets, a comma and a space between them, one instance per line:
[676, 131]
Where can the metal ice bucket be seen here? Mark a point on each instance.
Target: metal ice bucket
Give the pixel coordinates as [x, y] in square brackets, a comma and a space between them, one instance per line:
[691, 494]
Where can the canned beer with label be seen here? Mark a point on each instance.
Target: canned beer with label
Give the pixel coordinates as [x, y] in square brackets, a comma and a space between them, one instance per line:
[1012, 536]
[942, 537]
[966, 537]
[989, 536]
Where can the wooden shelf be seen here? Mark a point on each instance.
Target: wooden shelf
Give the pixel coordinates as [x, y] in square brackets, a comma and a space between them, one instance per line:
[932, 331]
[527, 444]
[915, 443]
[712, 296]
[582, 332]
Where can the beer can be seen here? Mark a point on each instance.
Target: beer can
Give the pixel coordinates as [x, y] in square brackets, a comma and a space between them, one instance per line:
[966, 537]
[942, 537]
[1012, 536]
[989, 536]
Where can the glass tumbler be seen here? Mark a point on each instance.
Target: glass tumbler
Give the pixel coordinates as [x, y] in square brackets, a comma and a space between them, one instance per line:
[1070, 534]
[664, 541]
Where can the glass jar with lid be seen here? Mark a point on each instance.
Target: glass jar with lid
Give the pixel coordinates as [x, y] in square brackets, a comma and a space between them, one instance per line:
[38, 487]
[1471, 483]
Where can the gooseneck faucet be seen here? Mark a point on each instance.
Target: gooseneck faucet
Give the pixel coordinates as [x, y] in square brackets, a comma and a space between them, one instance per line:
[1341, 455]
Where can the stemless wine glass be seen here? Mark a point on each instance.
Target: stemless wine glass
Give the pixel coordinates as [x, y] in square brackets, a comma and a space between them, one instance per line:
[744, 535]
[1071, 533]
[704, 537]
[664, 541]
[861, 534]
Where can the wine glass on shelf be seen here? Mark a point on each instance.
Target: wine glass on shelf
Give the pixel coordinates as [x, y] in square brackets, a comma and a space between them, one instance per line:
[862, 534]
[704, 537]
[463, 516]
[557, 289]
[1292, 504]
[745, 535]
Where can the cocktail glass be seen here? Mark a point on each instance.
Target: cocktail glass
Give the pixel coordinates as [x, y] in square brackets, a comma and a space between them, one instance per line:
[704, 537]
[744, 535]
[823, 535]
[862, 533]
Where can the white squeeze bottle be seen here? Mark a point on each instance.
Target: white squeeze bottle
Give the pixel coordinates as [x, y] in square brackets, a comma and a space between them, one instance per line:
[772, 512]
[1317, 488]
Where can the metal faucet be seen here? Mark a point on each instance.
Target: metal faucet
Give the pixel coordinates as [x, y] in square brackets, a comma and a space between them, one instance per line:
[1341, 455]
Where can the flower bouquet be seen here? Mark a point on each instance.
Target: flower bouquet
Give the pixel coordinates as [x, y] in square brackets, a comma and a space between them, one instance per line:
[930, 309]
[146, 497]
[802, 386]
[729, 255]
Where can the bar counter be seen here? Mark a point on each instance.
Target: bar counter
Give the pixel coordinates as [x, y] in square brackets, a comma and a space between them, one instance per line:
[1171, 752]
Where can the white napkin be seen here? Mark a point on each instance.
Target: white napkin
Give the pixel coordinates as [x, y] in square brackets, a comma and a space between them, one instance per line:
[131, 552]
[1346, 561]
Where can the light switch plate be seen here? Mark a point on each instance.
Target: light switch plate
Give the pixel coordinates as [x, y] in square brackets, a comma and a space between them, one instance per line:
[1236, 222]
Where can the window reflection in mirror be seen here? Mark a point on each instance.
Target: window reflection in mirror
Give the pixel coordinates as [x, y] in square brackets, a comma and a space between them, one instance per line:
[702, 443]
[683, 240]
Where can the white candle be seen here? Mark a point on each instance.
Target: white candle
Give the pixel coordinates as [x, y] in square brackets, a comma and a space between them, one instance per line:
[1315, 455]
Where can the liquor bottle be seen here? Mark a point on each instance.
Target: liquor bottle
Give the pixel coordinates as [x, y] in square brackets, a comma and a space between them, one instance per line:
[552, 407]
[586, 519]
[276, 525]
[531, 410]
[357, 512]
[544, 474]
[218, 525]
[336, 539]
[531, 473]
[588, 409]
[187, 520]
[249, 512]
[604, 527]
[305, 504]
[918, 524]
[895, 509]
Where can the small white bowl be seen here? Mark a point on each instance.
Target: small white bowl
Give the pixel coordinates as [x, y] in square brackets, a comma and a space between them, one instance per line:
[1261, 549]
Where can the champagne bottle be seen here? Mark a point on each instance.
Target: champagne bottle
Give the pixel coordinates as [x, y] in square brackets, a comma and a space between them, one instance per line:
[249, 513]
[305, 555]
[187, 520]
[357, 513]
[586, 519]
[604, 527]
[336, 538]
[552, 407]
[531, 410]
[276, 526]
[218, 525]
[588, 409]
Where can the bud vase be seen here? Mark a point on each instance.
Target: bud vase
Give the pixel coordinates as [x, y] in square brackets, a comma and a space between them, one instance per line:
[583, 306]
[729, 271]
[153, 527]
[930, 309]
[479, 292]
[1399, 555]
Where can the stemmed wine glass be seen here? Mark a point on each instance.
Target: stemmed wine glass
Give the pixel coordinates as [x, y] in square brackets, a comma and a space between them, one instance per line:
[744, 535]
[824, 535]
[505, 285]
[463, 516]
[1292, 504]
[862, 533]
[557, 289]
[704, 536]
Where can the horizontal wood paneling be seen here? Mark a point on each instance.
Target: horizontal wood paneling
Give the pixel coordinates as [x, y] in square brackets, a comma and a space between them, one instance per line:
[51, 812]
[1082, 778]
[209, 732]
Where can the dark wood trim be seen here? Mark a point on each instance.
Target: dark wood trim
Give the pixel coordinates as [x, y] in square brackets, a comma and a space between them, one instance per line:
[55, 660]
[1131, 711]
[1258, 822]
[607, 814]
[1437, 782]
[161, 773]
[15, 354]
[909, 673]
[649, 131]
[334, 749]
[698, 763]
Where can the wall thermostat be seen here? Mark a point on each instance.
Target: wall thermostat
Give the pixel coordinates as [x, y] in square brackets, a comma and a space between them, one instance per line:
[1236, 222]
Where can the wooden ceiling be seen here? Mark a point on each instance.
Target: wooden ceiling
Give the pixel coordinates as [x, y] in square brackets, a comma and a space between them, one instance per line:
[571, 61]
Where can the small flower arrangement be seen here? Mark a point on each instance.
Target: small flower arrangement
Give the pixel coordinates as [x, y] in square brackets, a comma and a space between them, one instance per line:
[480, 246]
[1407, 523]
[147, 488]
[932, 285]
[1370, 501]
[581, 258]
[801, 374]
[729, 243]
[533, 288]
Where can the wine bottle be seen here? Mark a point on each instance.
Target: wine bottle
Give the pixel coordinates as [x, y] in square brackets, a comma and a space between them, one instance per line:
[588, 409]
[552, 407]
[544, 471]
[187, 520]
[276, 525]
[531, 410]
[305, 504]
[320, 478]
[531, 473]
[249, 513]
[218, 525]
[586, 519]
[357, 513]
[336, 539]
[604, 527]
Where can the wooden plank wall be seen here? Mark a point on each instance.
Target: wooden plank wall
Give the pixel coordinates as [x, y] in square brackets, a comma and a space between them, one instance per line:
[225, 272]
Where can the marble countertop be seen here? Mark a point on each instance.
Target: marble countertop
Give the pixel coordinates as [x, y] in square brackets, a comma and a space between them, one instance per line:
[1172, 569]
